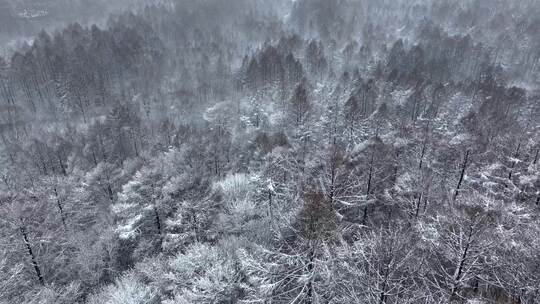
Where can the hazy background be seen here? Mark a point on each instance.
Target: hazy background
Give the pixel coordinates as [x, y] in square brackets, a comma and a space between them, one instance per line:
[20, 20]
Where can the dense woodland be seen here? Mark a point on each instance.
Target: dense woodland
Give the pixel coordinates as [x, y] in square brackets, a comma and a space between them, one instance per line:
[252, 151]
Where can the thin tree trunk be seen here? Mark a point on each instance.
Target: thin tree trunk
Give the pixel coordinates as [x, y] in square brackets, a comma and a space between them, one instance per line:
[158, 226]
[459, 270]
[60, 208]
[110, 192]
[426, 197]
[310, 268]
[424, 145]
[368, 187]
[94, 157]
[333, 172]
[32, 256]
[463, 169]
[382, 297]
[270, 211]
[64, 172]
[516, 155]
[418, 206]
[134, 142]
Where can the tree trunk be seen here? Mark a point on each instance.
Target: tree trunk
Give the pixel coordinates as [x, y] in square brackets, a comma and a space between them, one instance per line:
[516, 155]
[32, 256]
[424, 145]
[310, 268]
[60, 208]
[461, 266]
[418, 206]
[270, 211]
[110, 192]
[368, 187]
[62, 167]
[464, 167]
[158, 226]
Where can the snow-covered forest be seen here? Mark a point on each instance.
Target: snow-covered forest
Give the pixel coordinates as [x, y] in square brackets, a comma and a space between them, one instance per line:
[269, 151]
